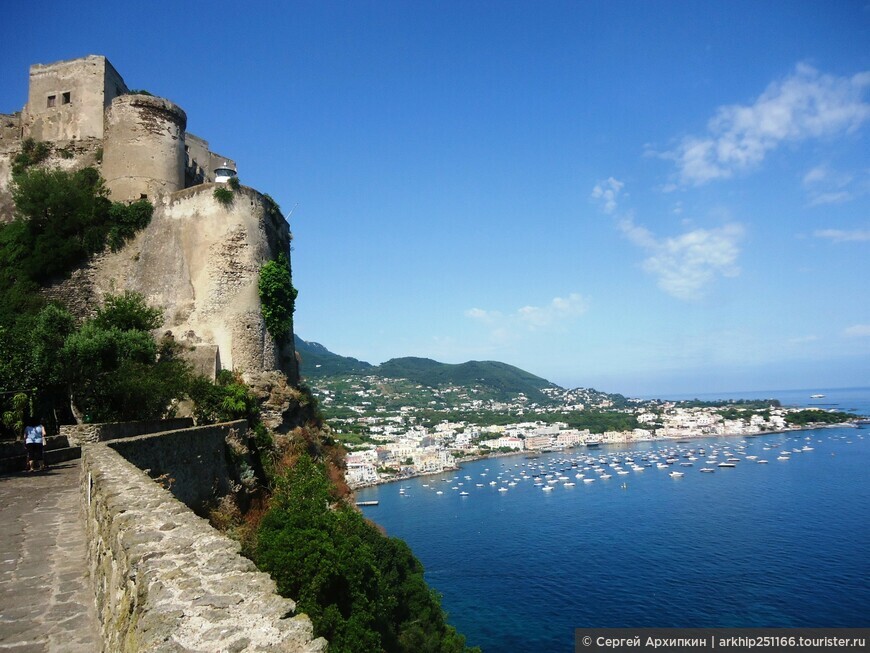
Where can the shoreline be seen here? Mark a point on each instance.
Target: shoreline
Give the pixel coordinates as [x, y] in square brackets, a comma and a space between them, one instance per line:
[529, 452]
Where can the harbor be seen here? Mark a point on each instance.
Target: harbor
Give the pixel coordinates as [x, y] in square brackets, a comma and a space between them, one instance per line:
[640, 537]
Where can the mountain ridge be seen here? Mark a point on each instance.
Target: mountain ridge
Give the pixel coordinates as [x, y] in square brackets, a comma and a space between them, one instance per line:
[318, 362]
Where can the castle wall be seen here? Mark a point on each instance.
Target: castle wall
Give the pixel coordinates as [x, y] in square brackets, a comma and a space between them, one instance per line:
[197, 160]
[66, 99]
[201, 162]
[199, 262]
[164, 580]
[100, 432]
[144, 147]
[10, 131]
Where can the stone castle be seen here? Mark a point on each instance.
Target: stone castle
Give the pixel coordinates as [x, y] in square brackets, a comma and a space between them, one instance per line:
[199, 259]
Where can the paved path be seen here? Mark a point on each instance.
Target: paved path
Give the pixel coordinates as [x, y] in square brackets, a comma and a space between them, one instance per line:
[46, 601]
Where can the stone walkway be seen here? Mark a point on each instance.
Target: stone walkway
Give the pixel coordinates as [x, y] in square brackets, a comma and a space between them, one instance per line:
[46, 601]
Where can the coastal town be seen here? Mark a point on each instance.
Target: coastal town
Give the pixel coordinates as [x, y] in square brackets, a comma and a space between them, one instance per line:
[436, 428]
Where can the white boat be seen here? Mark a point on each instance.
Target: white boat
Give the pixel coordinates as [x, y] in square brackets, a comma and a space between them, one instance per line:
[707, 470]
[676, 474]
[547, 488]
[463, 493]
[502, 489]
[588, 480]
[817, 396]
[761, 462]
[727, 465]
[570, 484]
[439, 492]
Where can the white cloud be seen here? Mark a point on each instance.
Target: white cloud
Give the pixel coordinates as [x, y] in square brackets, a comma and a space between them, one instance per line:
[832, 197]
[816, 175]
[482, 315]
[806, 104]
[858, 331]
[686, 264]
[825, 185]
[607, 192]
[842, 236]
[557, 310]
[530, 318]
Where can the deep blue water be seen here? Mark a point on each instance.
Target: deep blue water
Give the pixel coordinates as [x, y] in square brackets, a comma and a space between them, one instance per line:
[776, 545]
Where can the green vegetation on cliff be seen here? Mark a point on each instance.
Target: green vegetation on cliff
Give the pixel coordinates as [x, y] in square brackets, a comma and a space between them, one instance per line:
[277, 297]
[363, 590]
[62, 218]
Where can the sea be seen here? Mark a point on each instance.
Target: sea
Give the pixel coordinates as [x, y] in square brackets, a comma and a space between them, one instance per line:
[782, 544]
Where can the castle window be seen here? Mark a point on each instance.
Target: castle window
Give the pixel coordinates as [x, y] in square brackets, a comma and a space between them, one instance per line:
[52, 99]
[65, 98]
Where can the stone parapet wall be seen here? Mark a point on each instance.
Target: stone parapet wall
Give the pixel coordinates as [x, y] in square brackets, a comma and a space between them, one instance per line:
[82, 433]
[166, 581]
[193, 463]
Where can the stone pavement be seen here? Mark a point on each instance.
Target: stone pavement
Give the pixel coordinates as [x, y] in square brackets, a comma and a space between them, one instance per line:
[46, 600]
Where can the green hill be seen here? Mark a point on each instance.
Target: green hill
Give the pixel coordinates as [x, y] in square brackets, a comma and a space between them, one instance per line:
[500, 379]
[317, 361]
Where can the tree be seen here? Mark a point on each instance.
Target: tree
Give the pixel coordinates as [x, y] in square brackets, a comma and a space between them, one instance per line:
[127, 312]
[114, 368]
[363, 591]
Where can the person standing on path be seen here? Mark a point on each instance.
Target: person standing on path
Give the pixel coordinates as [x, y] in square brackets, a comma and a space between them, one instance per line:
[34, 441]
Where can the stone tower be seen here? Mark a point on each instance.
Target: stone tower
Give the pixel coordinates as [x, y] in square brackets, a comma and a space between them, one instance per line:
[144, 151]
[67, 99]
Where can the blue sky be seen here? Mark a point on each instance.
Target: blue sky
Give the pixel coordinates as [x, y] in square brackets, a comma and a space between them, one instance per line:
[666, 197]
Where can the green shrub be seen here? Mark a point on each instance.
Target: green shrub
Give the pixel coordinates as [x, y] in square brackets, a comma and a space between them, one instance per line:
[32, 153]
[62, 218]
[363, 591]
[227, 399]
[277, 297]
[126, 220]
[233, 182]
[223, 195]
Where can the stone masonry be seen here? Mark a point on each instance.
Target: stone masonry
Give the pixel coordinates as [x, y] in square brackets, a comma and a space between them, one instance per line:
[166, 581]
[199, 259]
